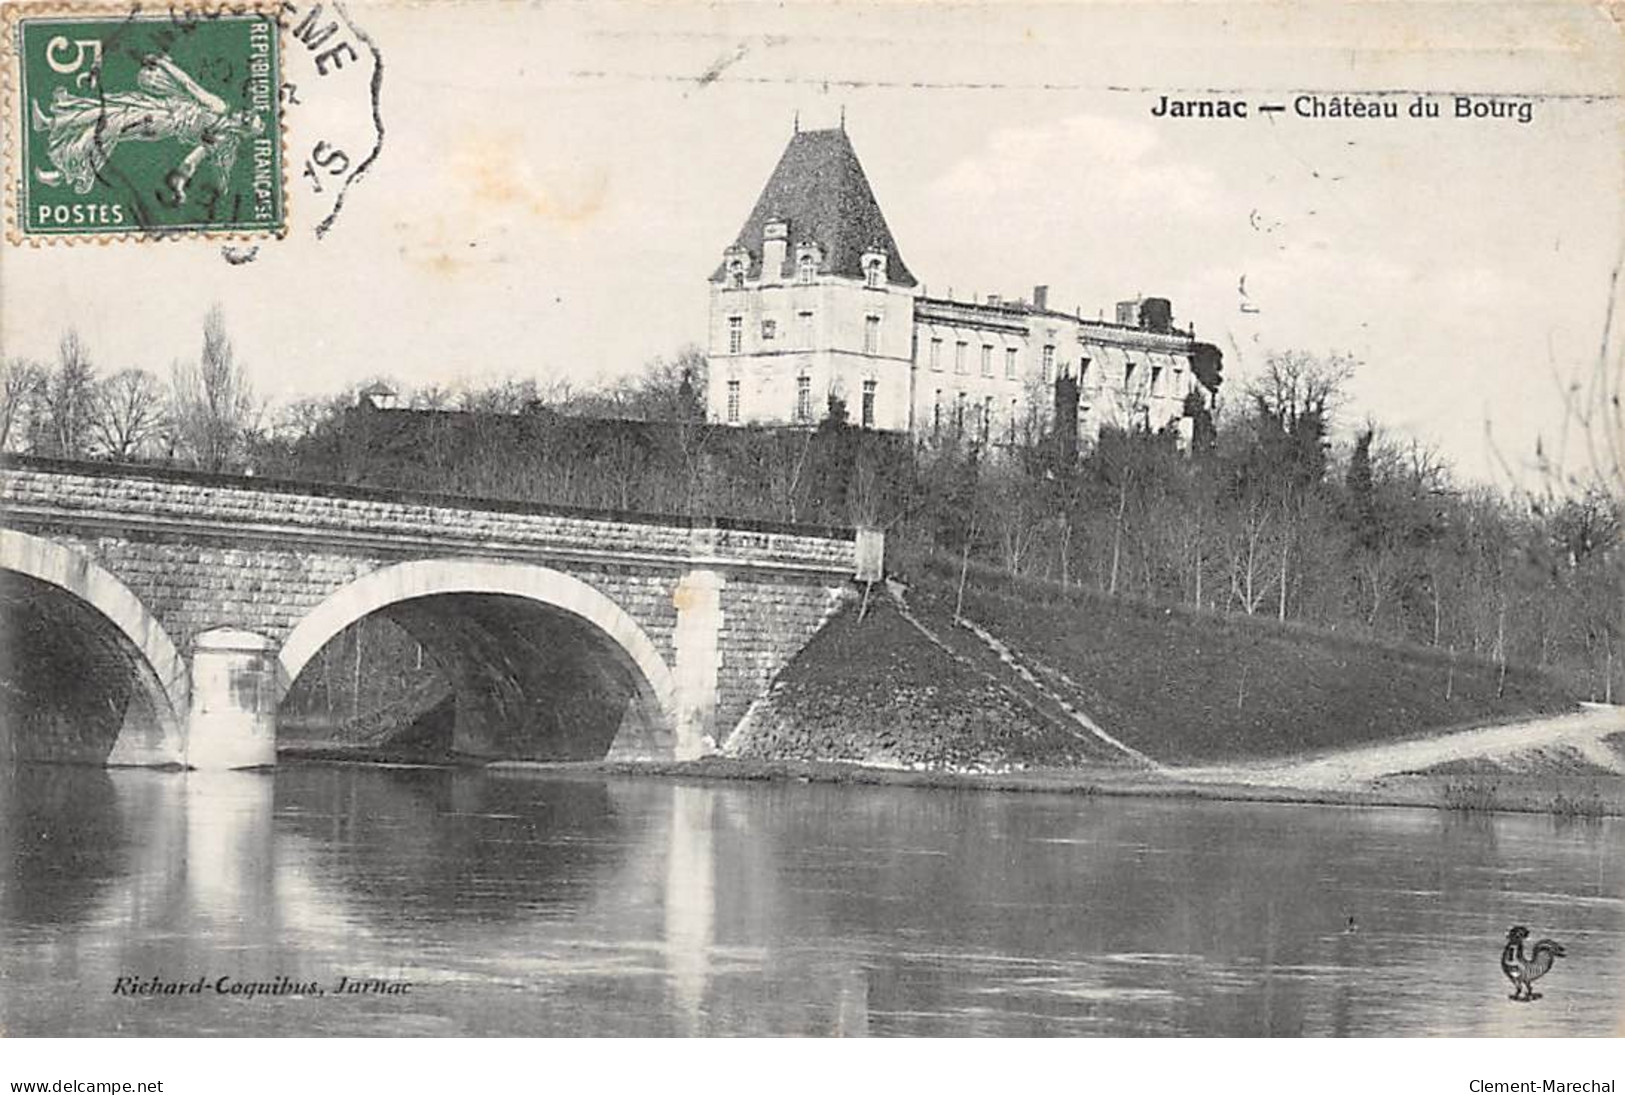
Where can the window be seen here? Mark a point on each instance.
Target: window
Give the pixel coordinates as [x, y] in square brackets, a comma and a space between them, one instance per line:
[936, 414]
[806, 269]
[733, 401]
[1011, 428]
[871, 334]
[1128, 375]
[736, 274]
[736, 334]
[1156, 380]
[803, 399]
[1049, 364]
[871, 275]
[1009, 362]
[1083, 371]
[936, 355]
[959, 358]
[804, 322]
[868, 418]
[987, 360]
[770, 329]
[959, 411]
[987, 417]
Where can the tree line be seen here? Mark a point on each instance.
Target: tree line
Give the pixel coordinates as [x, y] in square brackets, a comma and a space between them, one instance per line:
[204, 416]
[1258, 514]
[1262, 516]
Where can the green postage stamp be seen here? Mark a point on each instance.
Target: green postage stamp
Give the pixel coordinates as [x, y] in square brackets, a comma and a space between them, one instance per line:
[145, 122]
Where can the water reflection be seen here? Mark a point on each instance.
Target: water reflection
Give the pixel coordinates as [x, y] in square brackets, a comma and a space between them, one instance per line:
[523, 905]
[62, 841]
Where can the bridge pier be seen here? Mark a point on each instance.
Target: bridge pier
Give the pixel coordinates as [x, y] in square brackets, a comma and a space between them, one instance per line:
[697, 643]
[234, 701]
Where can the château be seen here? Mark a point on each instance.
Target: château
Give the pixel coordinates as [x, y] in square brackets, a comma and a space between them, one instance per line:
[814, 307]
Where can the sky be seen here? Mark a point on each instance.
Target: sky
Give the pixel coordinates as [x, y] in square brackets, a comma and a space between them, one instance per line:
[556, 182]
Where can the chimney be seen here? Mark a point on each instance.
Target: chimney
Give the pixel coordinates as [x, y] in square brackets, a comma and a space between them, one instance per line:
[775, 242]
[994, 300]
[1157, 314]
[1041, 297]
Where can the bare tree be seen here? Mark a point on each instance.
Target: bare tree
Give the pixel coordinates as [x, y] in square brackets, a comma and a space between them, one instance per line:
[65, 401]
[509, 395]
[128, 414]
[1594, 407]
[431, 397]
[1247, 545]
[667, 390]
[20, 383]
[214, 408]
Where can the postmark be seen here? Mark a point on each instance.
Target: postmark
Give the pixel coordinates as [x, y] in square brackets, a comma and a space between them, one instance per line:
[332, 84]
[144, 123]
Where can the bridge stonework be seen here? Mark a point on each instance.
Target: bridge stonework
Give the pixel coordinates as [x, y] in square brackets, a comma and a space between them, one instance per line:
[700, 615]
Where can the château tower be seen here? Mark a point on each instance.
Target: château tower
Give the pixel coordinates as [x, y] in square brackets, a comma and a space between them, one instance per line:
[813, 299]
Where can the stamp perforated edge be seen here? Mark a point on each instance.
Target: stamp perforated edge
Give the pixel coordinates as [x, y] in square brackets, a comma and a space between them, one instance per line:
[13, 12]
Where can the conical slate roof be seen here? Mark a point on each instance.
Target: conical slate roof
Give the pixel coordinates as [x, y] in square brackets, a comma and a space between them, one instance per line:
[819, 188]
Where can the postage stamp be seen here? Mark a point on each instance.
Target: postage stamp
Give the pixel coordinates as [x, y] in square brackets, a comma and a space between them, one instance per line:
[143, 123]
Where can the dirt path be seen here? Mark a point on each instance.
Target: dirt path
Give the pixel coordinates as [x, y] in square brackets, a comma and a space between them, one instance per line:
[1581, 733]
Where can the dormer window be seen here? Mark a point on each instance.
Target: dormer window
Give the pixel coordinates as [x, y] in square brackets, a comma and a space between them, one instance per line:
[874, 270]
[807, 259]
[736, 264]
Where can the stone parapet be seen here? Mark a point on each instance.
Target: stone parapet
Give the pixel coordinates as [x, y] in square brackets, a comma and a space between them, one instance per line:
[115, 501]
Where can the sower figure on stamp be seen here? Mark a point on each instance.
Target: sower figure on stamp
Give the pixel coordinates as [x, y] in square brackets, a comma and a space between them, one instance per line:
[83, 133]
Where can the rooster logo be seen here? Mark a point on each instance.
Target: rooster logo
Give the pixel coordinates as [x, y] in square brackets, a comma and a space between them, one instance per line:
[1524, 970]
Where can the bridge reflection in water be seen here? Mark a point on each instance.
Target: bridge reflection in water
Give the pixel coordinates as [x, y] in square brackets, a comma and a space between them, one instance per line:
[521, 905]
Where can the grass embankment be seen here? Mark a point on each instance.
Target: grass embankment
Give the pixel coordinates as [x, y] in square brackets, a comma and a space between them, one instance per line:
[1178, 686]
[1563, 794]
[878, 691]
[1556, 781]
[1189, 687]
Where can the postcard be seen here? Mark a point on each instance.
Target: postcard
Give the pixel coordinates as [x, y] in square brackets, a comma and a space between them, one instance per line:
[894, 518]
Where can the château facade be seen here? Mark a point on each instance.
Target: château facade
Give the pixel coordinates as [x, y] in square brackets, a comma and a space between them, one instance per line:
[813, 300]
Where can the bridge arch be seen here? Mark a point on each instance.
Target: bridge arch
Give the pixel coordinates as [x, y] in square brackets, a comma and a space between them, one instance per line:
[159, 670]
[397, 585]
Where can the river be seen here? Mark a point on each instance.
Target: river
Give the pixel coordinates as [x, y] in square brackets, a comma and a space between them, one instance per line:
[531, 904]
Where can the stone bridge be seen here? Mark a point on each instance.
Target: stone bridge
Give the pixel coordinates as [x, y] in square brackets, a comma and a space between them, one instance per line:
[154, 616]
